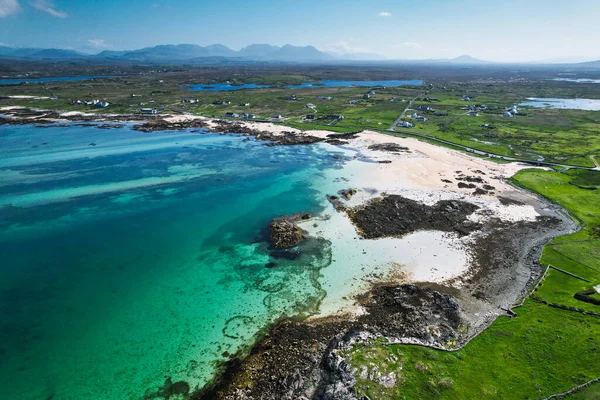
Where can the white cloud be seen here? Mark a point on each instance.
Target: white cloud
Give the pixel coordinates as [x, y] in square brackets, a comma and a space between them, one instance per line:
[344, 47]
[48, 6]
[98, 44]
[384, 14]
[9, 7]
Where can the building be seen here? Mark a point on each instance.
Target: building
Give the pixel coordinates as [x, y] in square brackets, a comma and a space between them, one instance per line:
[232, 115]
[353, 102]
[424, 108]
[507, 114]
[102, 104]
[421, 119]
[310, 116]
[415, 115]
[190, 101]
[405, 124]
[366, 96]
[245, 105]
[151, 111]
[250, 116]
[276, 116]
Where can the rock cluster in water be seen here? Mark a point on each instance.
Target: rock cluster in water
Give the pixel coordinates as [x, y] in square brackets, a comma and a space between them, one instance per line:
[285, 233]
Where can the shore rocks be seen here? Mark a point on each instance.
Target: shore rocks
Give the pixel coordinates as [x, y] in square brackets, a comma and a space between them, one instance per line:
[395, 215]
[347, 193]
[284, 233]
[305, 360]
[389, 147]
[163, 125]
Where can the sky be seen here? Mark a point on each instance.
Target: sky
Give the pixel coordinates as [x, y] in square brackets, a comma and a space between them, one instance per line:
[507, 31]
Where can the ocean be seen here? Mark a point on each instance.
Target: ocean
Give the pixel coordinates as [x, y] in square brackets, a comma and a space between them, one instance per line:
[129, 257]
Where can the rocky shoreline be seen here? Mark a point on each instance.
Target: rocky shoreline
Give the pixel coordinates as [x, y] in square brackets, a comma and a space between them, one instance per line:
[25, 116]
[305, 359]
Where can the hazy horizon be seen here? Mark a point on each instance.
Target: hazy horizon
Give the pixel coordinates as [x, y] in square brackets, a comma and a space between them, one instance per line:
[513, 32]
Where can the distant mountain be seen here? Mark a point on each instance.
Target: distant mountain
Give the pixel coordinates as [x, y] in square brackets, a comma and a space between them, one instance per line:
[466, 59]
[217, 53]
[566, 60]
[218, 50]
[297, 53]
[6, 51]
[56, 53]
[167, 52]
[111, 54]
[258, 51]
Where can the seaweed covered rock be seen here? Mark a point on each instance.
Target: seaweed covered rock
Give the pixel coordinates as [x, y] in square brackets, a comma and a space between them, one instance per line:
[395, 215]
[284, 233]
[390, 147]
[347, 193]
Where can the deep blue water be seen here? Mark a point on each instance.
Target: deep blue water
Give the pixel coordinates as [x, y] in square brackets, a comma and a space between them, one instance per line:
[55, 79]
[127, 257]
[218, 87]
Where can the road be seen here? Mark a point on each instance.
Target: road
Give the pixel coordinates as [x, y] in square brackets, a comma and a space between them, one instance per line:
[404, 112]
[595, 161]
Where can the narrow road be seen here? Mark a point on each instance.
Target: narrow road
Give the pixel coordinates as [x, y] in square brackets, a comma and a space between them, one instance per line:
[404, 112]
[595, 161]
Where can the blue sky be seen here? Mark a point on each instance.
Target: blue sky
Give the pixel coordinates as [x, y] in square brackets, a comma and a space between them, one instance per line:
[508, 30]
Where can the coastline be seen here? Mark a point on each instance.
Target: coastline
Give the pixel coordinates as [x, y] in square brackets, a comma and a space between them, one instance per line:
[425, 173]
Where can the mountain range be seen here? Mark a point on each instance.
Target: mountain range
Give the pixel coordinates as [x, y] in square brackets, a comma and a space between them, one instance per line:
[192, 54]
[180, 52]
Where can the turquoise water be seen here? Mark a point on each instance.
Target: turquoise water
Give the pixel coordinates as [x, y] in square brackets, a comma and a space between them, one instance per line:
[129, 257]
[219, 87]
[52, 79]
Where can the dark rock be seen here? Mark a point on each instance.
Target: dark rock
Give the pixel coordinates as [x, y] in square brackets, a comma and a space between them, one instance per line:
[347, 193]
[390, 147]
[395, 215]
[284, 233]
[463, 185]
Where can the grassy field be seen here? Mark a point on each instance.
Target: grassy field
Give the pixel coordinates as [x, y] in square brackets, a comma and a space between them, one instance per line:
[542, 351]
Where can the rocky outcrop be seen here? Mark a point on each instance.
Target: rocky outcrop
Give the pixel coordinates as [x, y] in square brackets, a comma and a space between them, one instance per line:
[285, 233]
[389, 147]
[300, 360]
[395, 215]
[347, 193]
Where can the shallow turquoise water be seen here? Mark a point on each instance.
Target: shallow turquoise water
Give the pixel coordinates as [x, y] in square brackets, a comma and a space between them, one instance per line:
[128, 257]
